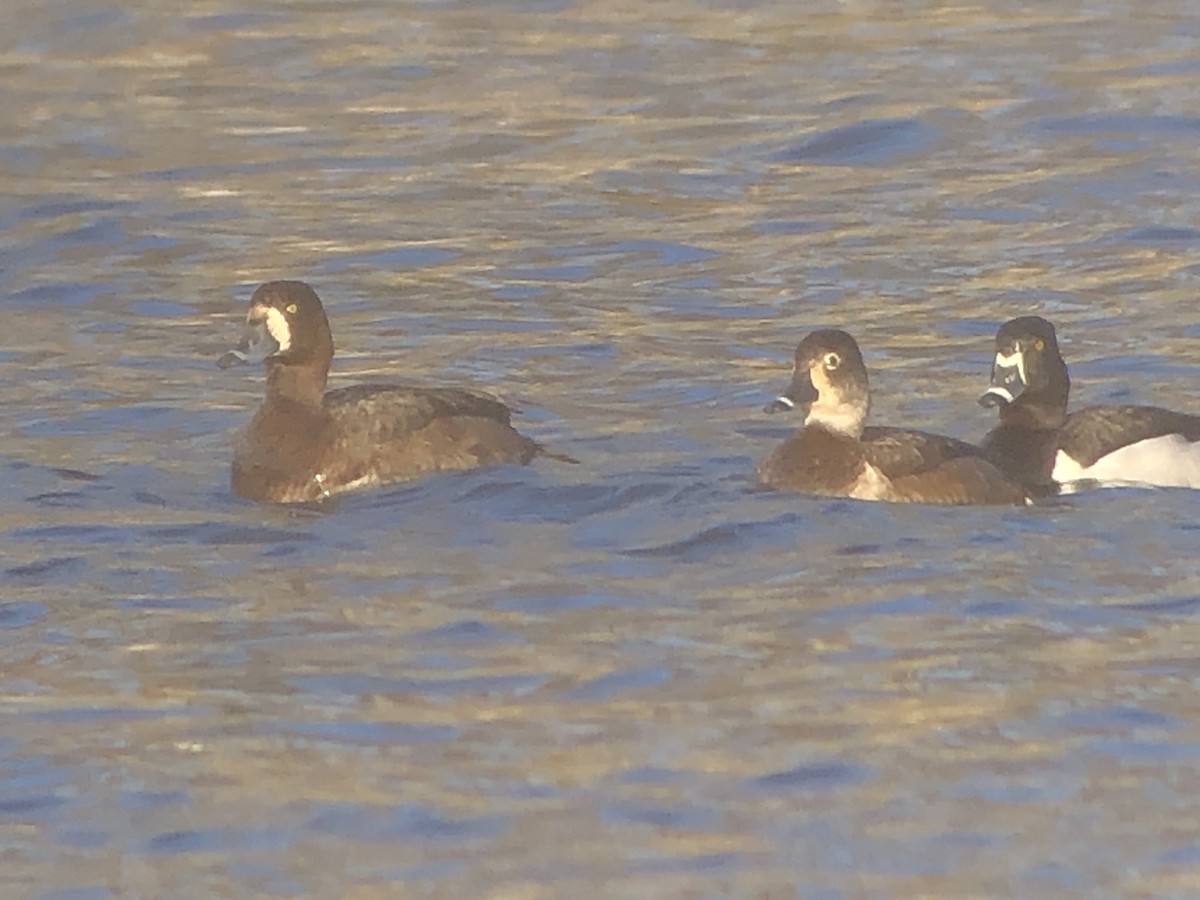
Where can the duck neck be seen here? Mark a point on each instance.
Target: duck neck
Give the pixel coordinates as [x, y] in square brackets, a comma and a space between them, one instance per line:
[842, 419]
[1040, 411]
[304, 384]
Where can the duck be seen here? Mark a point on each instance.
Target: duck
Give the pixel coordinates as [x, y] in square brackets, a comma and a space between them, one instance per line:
[1041, 445]
[305, 444]
[835, 454]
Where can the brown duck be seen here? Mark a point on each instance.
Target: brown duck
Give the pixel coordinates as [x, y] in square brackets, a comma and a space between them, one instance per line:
[305, 444]
[834, 455]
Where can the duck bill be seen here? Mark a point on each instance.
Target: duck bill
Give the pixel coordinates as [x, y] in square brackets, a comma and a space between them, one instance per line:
[254, 347]
[1008, 381]
[799, 393]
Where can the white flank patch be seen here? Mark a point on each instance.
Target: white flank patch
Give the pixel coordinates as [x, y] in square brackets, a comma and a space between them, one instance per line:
[1167, 461]
[369, 480]
[278, 329]
[871, 484]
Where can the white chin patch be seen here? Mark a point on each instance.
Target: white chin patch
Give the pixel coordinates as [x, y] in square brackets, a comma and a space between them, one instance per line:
[278, 329]
[1000, 391]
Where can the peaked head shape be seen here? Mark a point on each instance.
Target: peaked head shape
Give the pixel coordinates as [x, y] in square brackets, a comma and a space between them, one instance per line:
[1028, 370]
[829, 383]
[287, 330]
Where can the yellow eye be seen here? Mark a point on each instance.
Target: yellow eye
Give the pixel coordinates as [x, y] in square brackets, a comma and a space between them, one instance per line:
[1039, 344]
[832, 361]
[291, 309]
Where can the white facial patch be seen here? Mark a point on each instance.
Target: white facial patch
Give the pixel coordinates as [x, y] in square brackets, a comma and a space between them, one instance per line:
[1168, 461]
[1014, 360]
[279, 329]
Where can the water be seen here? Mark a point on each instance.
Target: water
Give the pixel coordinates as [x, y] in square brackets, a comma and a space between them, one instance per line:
[636, 677]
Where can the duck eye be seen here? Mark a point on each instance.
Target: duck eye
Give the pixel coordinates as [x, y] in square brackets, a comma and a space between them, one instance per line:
[1039, 345]
[832, 361]
[290, 309]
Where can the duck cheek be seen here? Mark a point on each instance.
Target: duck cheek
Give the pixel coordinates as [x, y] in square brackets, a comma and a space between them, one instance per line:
[818, 385]
[1008, 381]
[279, 329]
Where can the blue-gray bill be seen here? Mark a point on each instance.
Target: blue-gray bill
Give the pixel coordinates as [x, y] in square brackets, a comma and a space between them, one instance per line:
[254, 347]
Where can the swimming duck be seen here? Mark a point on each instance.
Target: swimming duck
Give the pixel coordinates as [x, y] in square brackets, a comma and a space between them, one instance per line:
[305, 444]
[834, 455]
[1041, 446]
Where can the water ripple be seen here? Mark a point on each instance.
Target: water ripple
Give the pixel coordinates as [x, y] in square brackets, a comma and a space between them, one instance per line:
[609, 687]
[869, 143]
[717, 539]
[407, 822]
[813, 776]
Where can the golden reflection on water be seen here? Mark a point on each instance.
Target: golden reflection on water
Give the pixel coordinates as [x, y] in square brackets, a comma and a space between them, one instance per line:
[620, 217]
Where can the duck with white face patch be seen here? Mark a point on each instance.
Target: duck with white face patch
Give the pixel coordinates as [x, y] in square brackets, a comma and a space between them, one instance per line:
[1027, 362]
[1045, 449]
[1008, 377]
[306, 444]
[835, 454]
[267, 332]
[831, 386]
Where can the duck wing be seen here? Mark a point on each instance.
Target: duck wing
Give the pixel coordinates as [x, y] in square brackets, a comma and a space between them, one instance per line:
[962, 481]
[901, 452]
[1096, 431]
[933, 468]
[389, 411]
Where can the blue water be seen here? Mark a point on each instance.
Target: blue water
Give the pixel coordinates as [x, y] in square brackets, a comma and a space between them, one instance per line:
[639, 676]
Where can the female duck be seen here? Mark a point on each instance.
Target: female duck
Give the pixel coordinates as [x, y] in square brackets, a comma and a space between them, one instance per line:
[833, 455]
[304, 444]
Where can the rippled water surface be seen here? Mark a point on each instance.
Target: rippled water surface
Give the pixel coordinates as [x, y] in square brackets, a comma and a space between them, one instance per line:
[635, 677]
